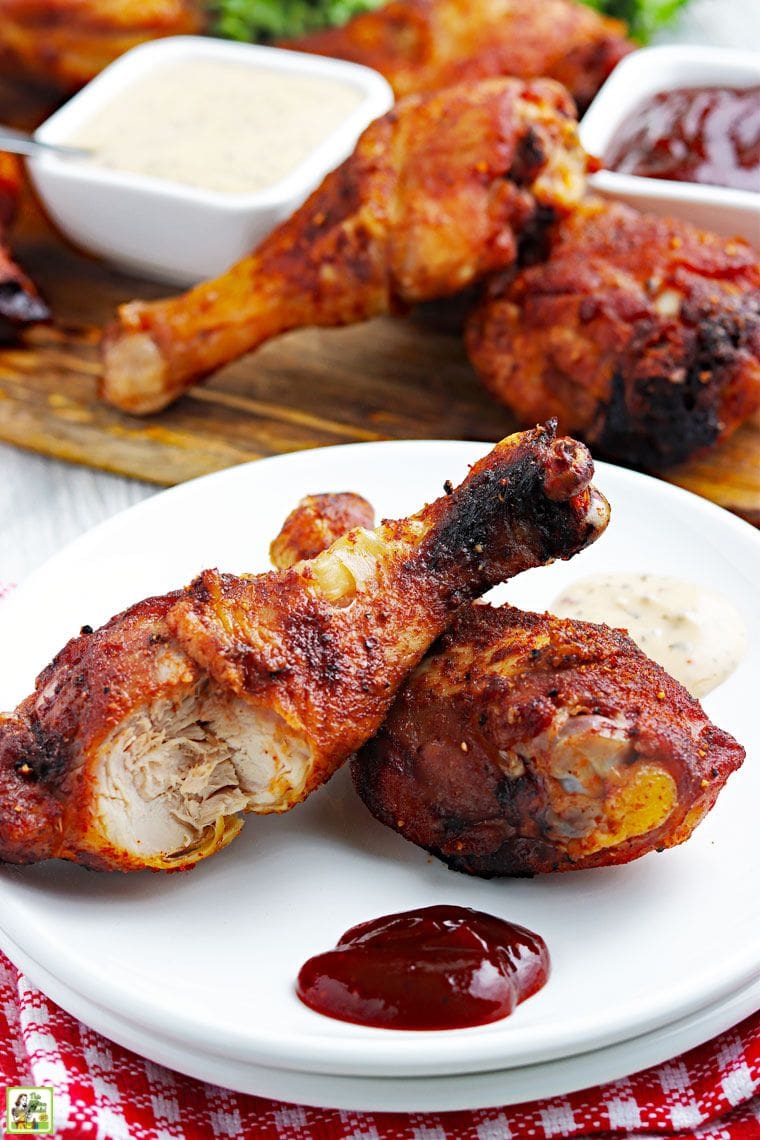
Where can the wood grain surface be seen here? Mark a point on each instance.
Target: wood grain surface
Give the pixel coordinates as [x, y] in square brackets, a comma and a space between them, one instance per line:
[386, 379]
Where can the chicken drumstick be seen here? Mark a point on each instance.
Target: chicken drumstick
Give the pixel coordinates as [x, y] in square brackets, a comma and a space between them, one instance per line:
[431, 200]
[525, 743]
[144, 740]
[421, 45]
[641, 334]
[65, 43]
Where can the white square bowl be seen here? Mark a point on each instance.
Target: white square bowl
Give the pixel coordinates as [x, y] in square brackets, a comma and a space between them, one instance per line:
[648, 72]
[166, 230]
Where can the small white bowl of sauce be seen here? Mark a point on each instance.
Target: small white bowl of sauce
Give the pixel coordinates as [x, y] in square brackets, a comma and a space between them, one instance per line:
[199, 149]
[678, 132]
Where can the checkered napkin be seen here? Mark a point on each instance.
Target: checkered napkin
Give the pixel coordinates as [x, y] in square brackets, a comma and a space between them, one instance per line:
[104, 1092]
[107, 1093]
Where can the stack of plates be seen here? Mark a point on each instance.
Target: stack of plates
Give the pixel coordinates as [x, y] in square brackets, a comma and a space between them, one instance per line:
[196, 971]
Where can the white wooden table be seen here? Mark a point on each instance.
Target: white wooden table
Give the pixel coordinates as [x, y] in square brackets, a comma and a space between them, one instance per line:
[45, 503]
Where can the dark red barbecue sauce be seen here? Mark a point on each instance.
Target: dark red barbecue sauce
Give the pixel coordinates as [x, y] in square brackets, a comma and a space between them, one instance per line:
[441, 967]
[693, 134]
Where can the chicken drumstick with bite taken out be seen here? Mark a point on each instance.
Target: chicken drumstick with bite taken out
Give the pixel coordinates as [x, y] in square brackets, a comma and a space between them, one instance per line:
[433, 198]
[524, 743]
[144, 740]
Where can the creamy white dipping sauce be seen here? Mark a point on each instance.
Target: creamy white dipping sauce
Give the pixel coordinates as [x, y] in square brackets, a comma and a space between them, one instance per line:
[696, 635]
[217, 125]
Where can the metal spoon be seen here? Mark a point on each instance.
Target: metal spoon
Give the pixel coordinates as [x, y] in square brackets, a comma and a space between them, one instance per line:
[19, 142]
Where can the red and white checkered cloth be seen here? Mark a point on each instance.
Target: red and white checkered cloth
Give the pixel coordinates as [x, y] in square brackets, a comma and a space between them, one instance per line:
[104, 1092]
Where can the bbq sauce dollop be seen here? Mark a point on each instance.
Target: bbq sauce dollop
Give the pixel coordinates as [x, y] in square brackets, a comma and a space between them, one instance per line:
[440, 967]
[693, 134]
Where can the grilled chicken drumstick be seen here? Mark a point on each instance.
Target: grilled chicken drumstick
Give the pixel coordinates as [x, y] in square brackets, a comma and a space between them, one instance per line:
[431, 200]
[65, 43]
[524, 743]
[20, 303]
[641, 334]
[144, 740]
[421, 45]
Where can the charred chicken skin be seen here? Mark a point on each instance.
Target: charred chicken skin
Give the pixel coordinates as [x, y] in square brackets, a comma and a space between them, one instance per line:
[421, 45]
[641, 334]
[64, 43]
[433, 198]
[145, 740]
[525, 743]
[20, 303]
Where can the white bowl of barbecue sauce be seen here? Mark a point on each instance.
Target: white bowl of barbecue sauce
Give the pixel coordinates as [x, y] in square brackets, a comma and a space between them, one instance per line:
[677, 130]
[199, 148]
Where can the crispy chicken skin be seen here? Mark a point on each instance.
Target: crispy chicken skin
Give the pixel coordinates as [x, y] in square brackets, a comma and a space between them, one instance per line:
[641, 334]
[525, 743]
[20, 303]
[315, 523]
[145, 740]
[64, 43]
[431, 199]
[421, 45]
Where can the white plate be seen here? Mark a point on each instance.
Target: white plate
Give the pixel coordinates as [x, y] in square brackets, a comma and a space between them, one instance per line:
[411, 1094]
[208, 959]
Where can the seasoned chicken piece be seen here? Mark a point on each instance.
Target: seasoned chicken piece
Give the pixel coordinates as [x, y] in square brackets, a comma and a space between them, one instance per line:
[64, 43]
[525, 743]
[144, 740]
[431, 200]
[641, 334]
[20, 303]
[421, 45]
[315, 523]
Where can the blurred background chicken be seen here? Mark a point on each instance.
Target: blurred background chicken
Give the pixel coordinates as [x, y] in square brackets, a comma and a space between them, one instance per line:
[433, 198]
[20, 303]
[640, 333]
[63, 44]
[419, 45]
[423, 45]
[524, 743]
[145, 740]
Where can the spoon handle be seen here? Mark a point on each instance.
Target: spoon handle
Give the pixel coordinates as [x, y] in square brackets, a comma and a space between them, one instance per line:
[19, 142]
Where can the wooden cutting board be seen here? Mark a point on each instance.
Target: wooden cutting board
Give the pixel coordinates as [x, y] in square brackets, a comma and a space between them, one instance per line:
[386, 379]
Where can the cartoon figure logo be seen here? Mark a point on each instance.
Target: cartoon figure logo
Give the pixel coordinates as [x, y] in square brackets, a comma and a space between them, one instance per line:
[29, 1110]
